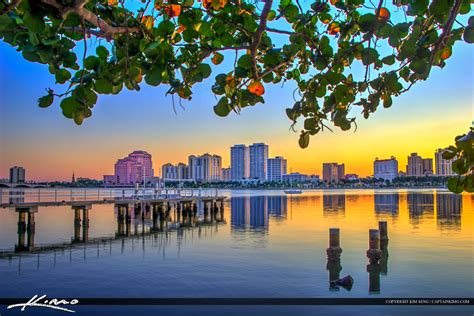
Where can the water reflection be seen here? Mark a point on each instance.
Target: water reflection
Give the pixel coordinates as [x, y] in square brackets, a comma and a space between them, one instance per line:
[448, 212]
[334, 205]
[142, 220]
[278, 207]
[387, 203]
[420, 206]
[236, 260]
[252, 212]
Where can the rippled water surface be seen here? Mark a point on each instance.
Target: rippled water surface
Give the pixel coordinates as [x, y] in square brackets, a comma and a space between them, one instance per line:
[267, 244]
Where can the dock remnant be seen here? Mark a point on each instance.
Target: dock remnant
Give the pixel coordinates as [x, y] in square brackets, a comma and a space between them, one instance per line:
[374, 253]
[334, 251]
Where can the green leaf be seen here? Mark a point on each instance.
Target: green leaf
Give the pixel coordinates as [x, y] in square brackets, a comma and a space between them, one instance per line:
[369, 56]
[45, 101]
[222, 107]
[91, 62]
[62, 75]
[69, 105]
[33, 23]
[154, 77]
[245, 61]
[304, 139]
[204, 70]
[103, 86]
[389, 60]
[468, 34]
[102, 52]
[455, 185]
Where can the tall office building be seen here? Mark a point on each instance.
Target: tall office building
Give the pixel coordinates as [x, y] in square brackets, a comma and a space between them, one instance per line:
[258, 161]
[386, 169]
[175, 172]
[415, 165]
[333, 172]
[205, 168]
[239, 162]
[443, 166]
[17, 174]
[134, 168]
[276, 168]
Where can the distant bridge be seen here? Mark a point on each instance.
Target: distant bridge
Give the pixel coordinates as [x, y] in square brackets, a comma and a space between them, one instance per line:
[22, 185]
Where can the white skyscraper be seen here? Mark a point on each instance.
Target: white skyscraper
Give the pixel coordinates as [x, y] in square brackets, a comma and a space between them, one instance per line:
[276, 168]
[239, 162]
[205, 168]
[443, 166]
[258, 161]
[386, 169]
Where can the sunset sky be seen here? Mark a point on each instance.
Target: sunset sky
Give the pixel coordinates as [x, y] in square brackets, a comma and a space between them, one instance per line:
[51, 147]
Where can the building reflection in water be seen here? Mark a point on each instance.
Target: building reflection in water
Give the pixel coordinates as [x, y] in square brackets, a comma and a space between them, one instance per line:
[420, 206]
[334, 205]
[278, 207]
[387, 204]
[448, 211]
[250, 213]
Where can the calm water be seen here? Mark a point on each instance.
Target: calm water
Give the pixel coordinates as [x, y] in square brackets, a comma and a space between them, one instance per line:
[270, 245]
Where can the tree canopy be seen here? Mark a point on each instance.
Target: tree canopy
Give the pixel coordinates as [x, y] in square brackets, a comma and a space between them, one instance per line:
[339, 54]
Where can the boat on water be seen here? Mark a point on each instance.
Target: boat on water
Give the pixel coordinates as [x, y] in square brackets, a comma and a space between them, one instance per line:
[293, 191]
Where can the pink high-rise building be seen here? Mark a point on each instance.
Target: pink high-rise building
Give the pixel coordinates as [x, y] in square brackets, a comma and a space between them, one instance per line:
[131, 169]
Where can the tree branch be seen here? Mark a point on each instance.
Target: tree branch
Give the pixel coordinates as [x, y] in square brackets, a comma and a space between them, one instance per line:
[258, 35]
[10, 6]
[107, 30]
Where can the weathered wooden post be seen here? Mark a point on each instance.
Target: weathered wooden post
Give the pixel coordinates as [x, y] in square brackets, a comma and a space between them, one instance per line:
[85, 223]
[374, 253]
[31, 228]
[21, 230]
[334, 251]
[77, 224]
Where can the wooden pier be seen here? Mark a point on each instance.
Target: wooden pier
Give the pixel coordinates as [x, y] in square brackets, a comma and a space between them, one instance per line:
[140, 212]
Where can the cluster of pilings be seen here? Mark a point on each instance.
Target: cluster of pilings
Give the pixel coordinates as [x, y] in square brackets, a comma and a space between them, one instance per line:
[161, 214]
[26, 228]
[81, 222]
[377, 255]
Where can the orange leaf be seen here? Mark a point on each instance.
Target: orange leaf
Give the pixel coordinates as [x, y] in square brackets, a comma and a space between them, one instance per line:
[384, 15]
[173, 10]
[147, 20]
[333, 28]
[256, 88]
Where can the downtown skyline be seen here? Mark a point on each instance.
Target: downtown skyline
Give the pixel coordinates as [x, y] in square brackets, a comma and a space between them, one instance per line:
[419, 121]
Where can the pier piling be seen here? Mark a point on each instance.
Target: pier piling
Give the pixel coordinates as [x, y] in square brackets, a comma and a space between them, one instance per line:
[374, 253]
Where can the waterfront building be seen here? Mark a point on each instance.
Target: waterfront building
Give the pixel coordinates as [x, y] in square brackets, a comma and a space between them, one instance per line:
[443, 166]
[17, 174]
[134, 168]
[239, 162]
[427, 166]
[352, 177]
[258, 161]
[205, 168]
[276, 168]
[415, 165]
[175, 172]
[386, 169]
[333, 172]
[226, 174]
[295, 177]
